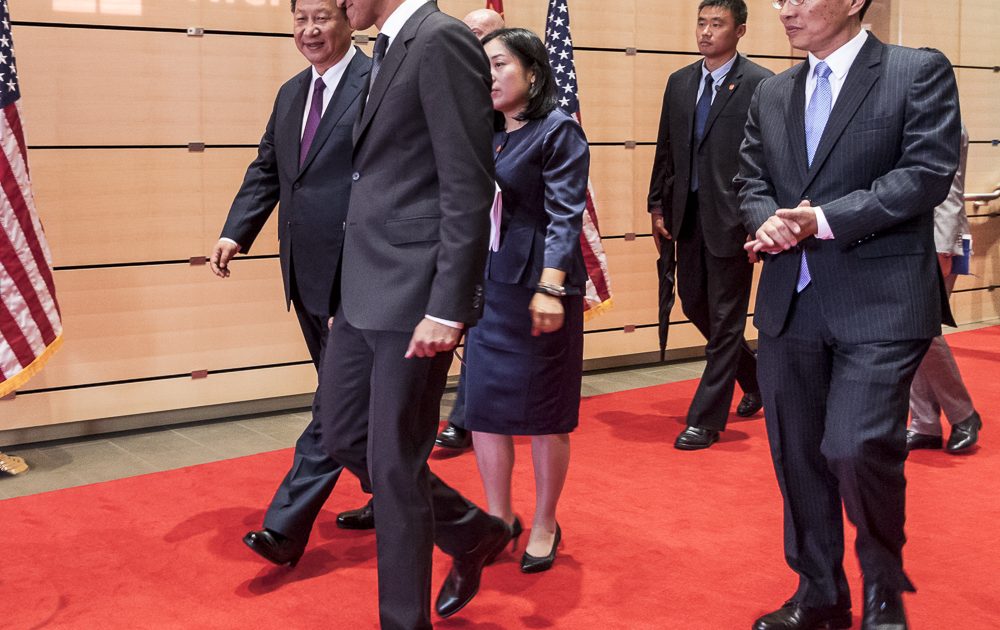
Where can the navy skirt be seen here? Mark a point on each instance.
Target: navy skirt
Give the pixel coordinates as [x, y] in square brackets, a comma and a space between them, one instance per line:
[516, 384]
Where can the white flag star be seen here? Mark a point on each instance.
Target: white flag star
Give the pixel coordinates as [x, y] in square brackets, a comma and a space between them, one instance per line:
[560, 69]
[564, 102]
[563, 54]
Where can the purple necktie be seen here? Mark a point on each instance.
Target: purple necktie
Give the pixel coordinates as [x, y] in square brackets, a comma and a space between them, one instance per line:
[312, 121]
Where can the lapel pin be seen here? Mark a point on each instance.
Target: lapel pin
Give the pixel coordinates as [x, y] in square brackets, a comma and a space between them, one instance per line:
[732, 86]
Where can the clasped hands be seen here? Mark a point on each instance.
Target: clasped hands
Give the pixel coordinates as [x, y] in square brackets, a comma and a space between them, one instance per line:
[785, 229]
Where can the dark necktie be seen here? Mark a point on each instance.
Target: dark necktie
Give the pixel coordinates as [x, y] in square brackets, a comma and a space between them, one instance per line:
[312, 120]
[700, 119]
[378, 54]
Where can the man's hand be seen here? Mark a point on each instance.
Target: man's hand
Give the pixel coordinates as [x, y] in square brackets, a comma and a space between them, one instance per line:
[783, 230]
[659, 229]
[431, 337]
[547, 314]
[222, 253]
[804, 217]
[946, 263]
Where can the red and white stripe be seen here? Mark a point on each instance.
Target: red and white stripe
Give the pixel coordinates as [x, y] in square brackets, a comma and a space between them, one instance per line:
[30, 322]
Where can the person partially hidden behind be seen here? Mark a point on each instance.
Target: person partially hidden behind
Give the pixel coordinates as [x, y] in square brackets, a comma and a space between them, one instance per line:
[304, 160]
[845, 156]
[692, 203]
[938, 387]
[524, 361]
[454, 435]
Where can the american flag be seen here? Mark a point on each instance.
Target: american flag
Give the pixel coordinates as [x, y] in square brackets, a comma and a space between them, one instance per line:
[30, 323]
[496, 5]
[560, 46]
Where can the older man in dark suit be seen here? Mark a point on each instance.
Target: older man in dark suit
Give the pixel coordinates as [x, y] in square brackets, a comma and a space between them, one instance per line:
[304, 161]
[411, 273]
[693, 203]
[845, 157]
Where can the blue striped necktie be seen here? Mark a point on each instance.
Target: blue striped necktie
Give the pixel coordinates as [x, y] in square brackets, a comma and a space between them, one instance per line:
[817, 115]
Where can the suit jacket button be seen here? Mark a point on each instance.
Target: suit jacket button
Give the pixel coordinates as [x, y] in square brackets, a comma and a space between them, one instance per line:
[356, 176]
[296, 185]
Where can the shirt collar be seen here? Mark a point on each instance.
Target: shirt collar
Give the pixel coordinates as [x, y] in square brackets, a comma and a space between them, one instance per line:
[394, 23]
[719, 73]
[841, 60]
[332, 75]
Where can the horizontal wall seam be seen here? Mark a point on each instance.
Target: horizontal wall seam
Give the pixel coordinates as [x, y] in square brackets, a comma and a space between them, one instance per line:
[209, 31]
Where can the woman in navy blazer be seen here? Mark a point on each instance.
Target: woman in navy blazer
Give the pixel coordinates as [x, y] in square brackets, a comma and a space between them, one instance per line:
[525, 357]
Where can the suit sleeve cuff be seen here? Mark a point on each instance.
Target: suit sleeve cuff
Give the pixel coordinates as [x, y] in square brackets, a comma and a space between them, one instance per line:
[446, 322]
[823, 231]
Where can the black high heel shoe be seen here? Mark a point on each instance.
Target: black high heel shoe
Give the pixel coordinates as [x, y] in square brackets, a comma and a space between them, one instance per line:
[515, 532]
[534, 564]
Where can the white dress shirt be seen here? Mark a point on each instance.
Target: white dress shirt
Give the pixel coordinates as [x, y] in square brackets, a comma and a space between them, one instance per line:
[331, 78]
[840, 62]
[717, 77]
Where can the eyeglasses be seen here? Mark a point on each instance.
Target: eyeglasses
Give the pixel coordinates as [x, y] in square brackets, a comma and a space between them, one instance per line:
[778, 4]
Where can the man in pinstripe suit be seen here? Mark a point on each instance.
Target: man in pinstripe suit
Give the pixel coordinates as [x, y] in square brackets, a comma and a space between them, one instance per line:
[844, 159]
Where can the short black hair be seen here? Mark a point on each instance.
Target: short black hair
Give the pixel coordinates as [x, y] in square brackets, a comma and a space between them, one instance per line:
[737, 7]
[531, 52]
[864, 9]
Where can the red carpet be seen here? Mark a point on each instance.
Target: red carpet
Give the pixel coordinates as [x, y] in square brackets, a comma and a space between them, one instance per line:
[654, 538]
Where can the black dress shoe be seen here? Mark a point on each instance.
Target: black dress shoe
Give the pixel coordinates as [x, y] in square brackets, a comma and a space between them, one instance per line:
[454, 437]
[965, 434]
[274, 547]
[696, 438]
[916, 441]
[749, 404]
[462, 582]
[534, 564]
[361, 518]
[516, 529]
[795, 616]
[883, 609]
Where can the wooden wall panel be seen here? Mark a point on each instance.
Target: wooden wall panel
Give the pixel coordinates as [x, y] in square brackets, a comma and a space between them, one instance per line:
[979, 95]
[231, 15]
[980, 45]
[114, 206]
[606, 83]
[983, 169]
[106, 206]
[34, 410]
[236, 103]
[930, 23]
[604, 25]
[137, 322]
[632, 265]
[641, 173]
[611, 175]
[151, 95]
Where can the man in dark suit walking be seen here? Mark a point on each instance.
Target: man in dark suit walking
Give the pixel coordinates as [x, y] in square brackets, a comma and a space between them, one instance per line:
[692, 202]
[411, 273]
[845, 157]
[304, 161]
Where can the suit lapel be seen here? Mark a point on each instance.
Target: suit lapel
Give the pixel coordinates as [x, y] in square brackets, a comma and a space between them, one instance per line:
[862, 76]
[730, 83]
[351, 85]
[290, 124]
[390, 65]
[795, 118]
[689, 100]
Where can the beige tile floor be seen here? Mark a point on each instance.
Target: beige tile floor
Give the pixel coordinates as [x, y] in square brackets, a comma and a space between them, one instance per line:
[80, 461]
